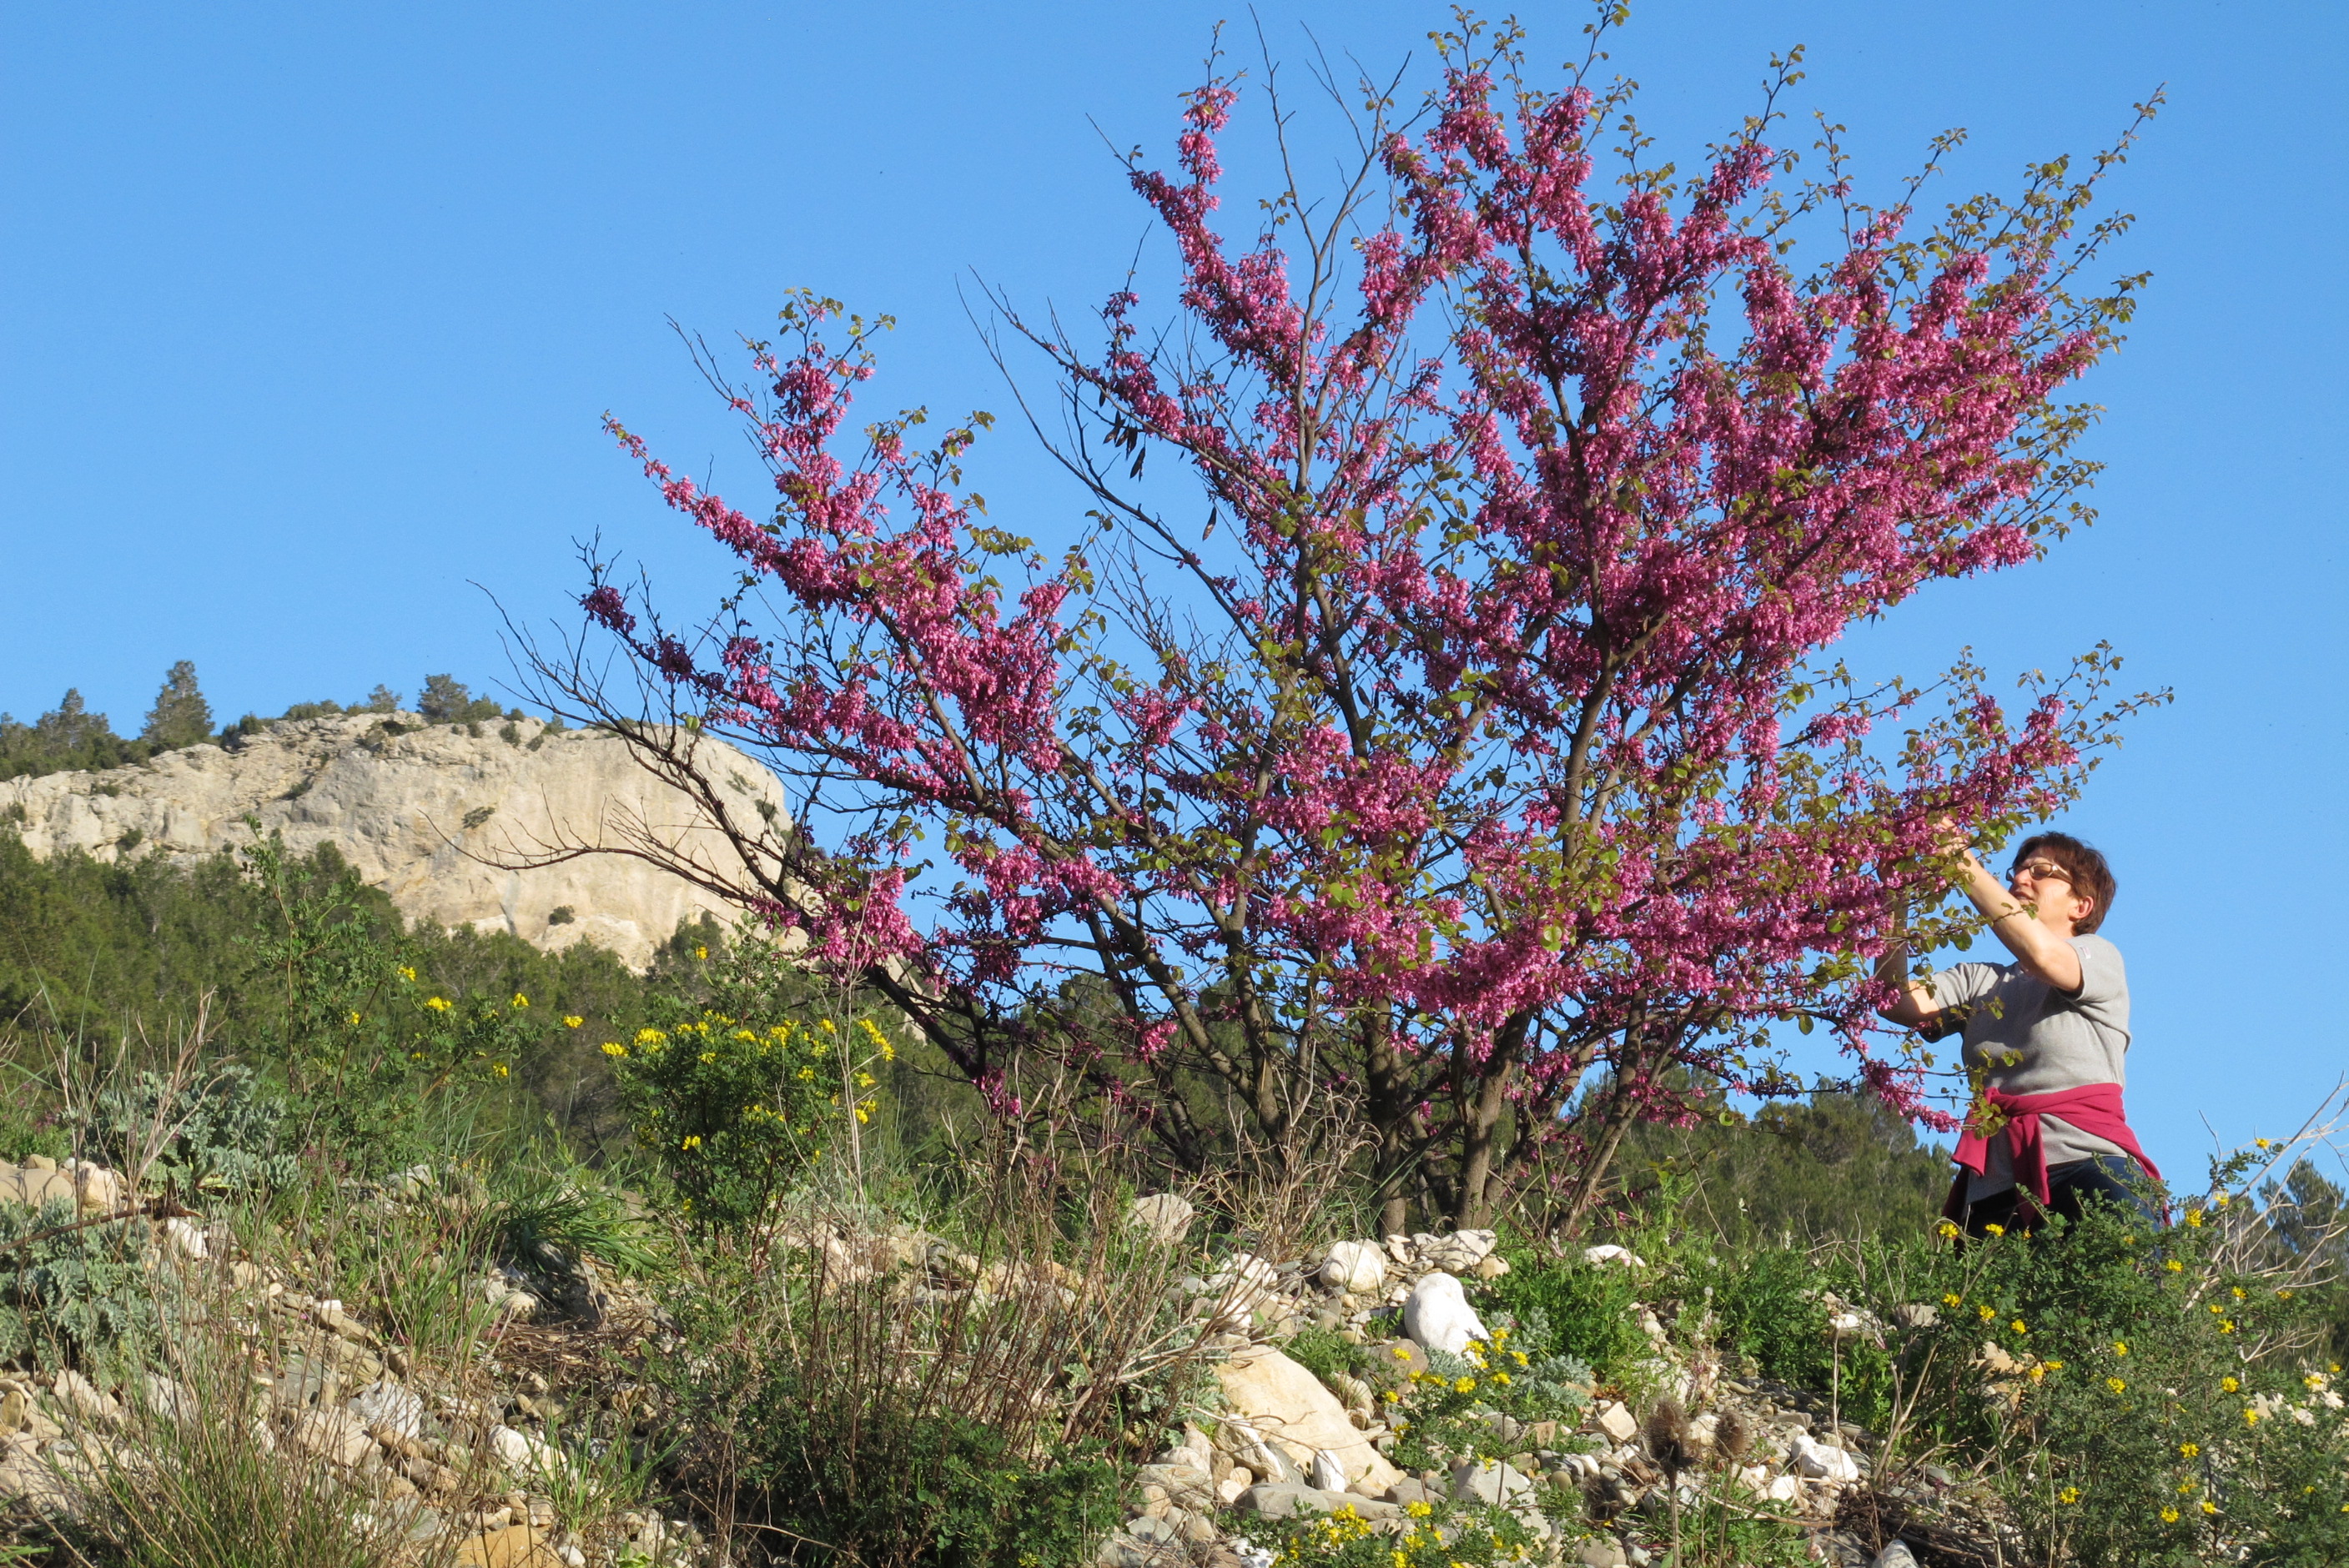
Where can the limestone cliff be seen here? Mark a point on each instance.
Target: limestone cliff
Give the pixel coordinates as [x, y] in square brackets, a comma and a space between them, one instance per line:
[418, 810]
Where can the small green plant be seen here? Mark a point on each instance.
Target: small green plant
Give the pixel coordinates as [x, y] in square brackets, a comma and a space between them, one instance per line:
[218, 1135]
[1590, 1310]
[1447, 1409]
[187, 1486]
[70, 1290]
[735, 1092]
[1435, 1535]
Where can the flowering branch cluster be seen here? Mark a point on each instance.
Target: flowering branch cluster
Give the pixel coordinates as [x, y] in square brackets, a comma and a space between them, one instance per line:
[1480, 762]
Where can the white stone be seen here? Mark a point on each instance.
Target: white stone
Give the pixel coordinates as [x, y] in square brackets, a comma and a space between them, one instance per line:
[385, 1403]
[1895, 1555]
[1357, 1266]
[1328, 1472]
[522, 1454]
[172, 1400]
[1164, 1217]
[1243, 1284]
[335, 1435]
[1785, 1488]
[411, 811]
[1437, 1315]
[1819, 1462]
[1289, 1407]
[84, 1399]
[1610, 1417]
[186, 1240]
[1609, 1253]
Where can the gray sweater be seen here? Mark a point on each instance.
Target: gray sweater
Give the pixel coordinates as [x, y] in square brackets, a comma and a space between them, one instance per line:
[2063, 1042]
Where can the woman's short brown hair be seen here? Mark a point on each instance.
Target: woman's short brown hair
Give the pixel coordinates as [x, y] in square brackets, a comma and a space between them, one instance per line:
[2090, 875]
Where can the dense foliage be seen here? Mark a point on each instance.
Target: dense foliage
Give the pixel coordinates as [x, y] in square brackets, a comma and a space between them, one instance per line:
[1485, 742]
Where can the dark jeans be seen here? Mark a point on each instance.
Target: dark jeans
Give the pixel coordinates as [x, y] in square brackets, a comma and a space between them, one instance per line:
[2070, 1187]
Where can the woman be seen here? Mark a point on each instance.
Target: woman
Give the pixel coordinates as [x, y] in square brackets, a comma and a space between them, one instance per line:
[2047, 1041]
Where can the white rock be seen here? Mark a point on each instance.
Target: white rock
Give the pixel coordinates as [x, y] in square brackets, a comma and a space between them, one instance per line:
[1610, 1417]
[186, 1240]
[335, 1435]
[1288, 1405]
[385, 1403]
[411, 812]
[1895, 1555]
[1357, 1266]
[1164, 1217]
[1328, 1472]
[522, 1454]
[1437, 1315]
[84, 1397]
[1611, 1253]
[1819, 1462]
[174, 1401]
[1243, 1284]
[1785, 1488]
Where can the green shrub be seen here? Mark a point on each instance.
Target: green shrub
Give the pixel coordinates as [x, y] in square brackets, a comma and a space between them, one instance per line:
[2155, 1398]
[1435, 1535]
[1446, 1411]
[735, 1091]
[221, 1135]
[1589, 1311]
[69, 1290]
[931, 1488]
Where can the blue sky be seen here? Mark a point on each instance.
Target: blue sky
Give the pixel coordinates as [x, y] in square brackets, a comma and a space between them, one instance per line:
[311, 312]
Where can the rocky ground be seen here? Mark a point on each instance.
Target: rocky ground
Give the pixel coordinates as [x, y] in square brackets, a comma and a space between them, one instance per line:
[480, 1455]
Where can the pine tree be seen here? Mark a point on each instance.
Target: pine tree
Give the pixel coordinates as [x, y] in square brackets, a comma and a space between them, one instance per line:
[444, 700]
[181, 716]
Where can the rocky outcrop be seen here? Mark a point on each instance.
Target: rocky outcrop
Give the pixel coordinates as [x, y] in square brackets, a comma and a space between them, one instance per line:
[430, 814]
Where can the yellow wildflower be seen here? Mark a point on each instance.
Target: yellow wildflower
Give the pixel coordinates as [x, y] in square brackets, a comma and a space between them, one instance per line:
[1465, 1386]
[2238, 1294]
[2116, 1385]
[2210, 1507]
[701, 954]
[2263, 1142]
[1947, 1229]
[2168, 1515]
[1952, 1301]
[692, 1140]
[572, 1020]
[406, 973]
[2186, 1486]
[613, 1048]
[354, 1020]
[2174, 1266]
[2017, 1326]
[2194, 1218]
[649, 1037]
[2121, 1347]
[2189, 1450]
[501, 1070]
[1986, 1312]
[520, 1000]
[1994, 1230]
[2250, 1416]
[2228, 1385]
[438, 1003]
[2069, 1495]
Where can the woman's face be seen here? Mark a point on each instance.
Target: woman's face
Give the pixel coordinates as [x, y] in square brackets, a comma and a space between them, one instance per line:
[2047, 887]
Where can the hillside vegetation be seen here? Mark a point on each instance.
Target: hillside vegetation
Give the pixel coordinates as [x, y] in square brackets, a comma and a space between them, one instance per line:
[516, 1256]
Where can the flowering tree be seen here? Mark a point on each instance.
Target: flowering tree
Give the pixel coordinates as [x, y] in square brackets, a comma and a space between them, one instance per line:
[1455, 739]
